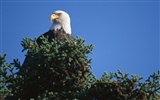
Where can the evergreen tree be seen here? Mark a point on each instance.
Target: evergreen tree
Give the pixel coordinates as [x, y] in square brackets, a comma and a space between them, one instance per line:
[60, 70]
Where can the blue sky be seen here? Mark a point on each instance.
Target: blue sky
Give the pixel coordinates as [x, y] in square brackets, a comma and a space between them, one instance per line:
[125, 34]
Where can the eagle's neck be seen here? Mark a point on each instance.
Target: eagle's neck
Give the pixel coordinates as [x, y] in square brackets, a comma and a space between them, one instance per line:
[66, 26]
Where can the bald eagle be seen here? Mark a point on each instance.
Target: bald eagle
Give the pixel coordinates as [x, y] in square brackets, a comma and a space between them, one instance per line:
[61, 26]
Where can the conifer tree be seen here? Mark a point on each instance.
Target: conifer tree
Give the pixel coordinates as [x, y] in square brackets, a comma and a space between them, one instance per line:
[59, 70]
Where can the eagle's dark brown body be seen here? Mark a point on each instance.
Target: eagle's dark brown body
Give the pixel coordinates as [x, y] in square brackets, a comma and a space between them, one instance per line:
[59, 34]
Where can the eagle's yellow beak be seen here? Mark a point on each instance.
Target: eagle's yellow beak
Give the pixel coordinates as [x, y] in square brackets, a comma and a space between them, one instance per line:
[53, 17]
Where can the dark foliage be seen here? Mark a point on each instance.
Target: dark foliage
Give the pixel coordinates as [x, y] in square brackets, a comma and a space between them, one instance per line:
[60, 70]
[120, 87]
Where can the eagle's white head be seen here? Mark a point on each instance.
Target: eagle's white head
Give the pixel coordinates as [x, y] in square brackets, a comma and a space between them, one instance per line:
[60, 20]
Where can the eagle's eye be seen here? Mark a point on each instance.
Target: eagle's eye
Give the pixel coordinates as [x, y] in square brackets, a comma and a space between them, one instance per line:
[59, 14]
